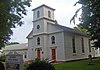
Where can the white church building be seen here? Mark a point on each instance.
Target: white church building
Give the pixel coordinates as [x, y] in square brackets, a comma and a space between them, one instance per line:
[49, 40]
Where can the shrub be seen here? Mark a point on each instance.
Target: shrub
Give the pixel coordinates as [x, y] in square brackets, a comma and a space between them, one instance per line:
[2, 66]
[41, 65]
[2, 58]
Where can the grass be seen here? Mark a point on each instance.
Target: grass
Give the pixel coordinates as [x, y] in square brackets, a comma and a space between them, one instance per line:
[79, 65]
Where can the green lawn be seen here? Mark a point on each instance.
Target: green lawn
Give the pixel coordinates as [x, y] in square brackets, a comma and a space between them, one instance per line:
[79, 65]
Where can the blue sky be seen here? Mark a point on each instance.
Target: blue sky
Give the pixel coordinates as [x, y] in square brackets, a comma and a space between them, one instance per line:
[63, 13]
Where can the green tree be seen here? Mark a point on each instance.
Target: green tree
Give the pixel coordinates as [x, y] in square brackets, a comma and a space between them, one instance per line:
[11, 13]
[82, 29]
[2, 66]
[90, 18]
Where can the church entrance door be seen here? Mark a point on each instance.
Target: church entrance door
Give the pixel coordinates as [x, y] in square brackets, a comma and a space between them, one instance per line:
[38, 53]
[54, 54]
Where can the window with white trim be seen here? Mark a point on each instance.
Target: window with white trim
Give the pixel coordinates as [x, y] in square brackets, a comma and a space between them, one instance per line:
[49, 14]
[38, 14]
[73, 44]
[38, 26]
[82, 44]
[53, 39]
[25, 56]
[38, 41]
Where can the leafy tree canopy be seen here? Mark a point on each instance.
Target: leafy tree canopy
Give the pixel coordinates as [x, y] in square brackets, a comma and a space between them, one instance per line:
[11, 13]
[82, 29]
[90, 19]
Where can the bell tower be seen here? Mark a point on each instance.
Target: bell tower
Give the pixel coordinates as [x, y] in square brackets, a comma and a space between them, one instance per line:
[43, 12]
[42, 15]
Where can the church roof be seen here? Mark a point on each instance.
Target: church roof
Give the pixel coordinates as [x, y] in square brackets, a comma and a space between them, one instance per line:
[65, 29]
[42, 6]
[70, 30]
[16, 47]
[30, 34]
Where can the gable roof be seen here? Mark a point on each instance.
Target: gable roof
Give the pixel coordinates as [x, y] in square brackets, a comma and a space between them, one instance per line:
[70, 29]
[42, 6]
[16, 47]
[30, 34]
[64, 28]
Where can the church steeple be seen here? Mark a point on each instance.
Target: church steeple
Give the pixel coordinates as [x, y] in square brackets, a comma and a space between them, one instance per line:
[43, 11]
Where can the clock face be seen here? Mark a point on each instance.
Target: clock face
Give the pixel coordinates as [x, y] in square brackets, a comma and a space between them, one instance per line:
[38, 26]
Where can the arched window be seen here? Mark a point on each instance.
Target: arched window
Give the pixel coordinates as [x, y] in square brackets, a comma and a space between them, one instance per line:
[53, 40]
[38, 41]
[38, 14]
[49, 14]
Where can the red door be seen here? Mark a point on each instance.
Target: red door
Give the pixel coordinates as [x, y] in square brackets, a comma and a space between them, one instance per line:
[54, 54]
[38, 53]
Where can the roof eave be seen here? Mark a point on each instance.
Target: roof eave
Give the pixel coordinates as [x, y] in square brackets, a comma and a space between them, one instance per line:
[41, 6]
